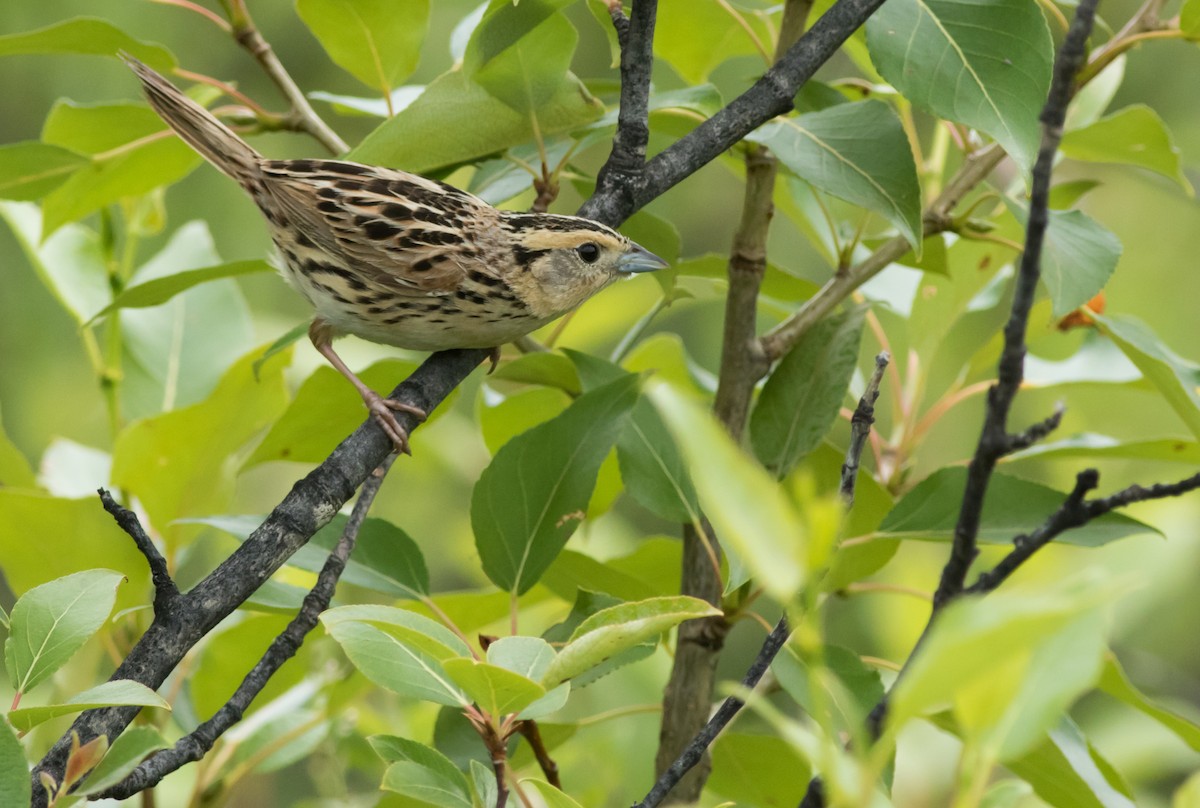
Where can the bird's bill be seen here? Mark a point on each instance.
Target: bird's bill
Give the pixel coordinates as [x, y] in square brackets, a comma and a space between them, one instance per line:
[639, 259]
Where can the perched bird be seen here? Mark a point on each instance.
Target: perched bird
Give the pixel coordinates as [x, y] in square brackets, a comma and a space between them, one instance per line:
[403, 260]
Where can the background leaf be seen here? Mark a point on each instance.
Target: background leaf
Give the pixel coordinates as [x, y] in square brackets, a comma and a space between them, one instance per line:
[89, 36]
[376, 41]
[1135, 135]
[532, 496]
[116, 692]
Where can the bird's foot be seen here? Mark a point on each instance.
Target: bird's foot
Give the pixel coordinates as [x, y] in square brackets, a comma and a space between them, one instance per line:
[495, 357]
[383, 413]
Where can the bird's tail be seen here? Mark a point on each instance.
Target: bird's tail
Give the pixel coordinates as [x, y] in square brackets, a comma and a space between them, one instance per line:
[198, 127]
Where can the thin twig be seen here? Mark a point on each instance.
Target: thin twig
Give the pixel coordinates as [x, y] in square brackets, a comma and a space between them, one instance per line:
[1074, 512]
[729, 708]
[302, 113]
[529, 730]
[994, 440]
[860, 427]
[196, 744]
[165, 591]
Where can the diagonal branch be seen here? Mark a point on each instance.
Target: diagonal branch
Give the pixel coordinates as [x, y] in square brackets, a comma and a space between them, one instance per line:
[311, 503]
[165, 591]
[197, 743]
[860, 428]
[994, 440]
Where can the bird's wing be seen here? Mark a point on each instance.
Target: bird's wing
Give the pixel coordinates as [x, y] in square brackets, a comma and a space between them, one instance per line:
[412, 234]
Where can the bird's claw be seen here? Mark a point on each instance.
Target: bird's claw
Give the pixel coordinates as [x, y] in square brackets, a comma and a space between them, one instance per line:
[383, 413]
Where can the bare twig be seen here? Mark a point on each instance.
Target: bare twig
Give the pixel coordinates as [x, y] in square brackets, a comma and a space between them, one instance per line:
[165, 591]
[695, 750]
[529, 730]
[196, 744]
[860, 427]
[1076, 511]
[302, 114]
[994, 440]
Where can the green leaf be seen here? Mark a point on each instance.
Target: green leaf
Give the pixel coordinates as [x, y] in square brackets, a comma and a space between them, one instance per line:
[376, 41]
[228, 653]
[1189, 19]
[761, 770]
[160, 461]
[438, 767]
[980, 645]
[70, 263]
[1097, 360]
[132, 152]
[528, 656]
[703, 36]
[613, 630]
[385, 558]
[483, 780]
[14, 771]
[1175, 377]
[551, 796]
[1115, 682]
[157, 291]
[1078, 258]
[652, 467]
[15, 471]
[430, 786]
[127, 750]
[520, 52]
[442, 127]
[544, 368]
[803, 395]
[30, 170]
[1013, 507]
[1067, 772]
[163, 373]
[501, 421]
[532, 495]
[426, 634]
[324, 411]
[124, 692]
[857, 152]
[852, 689]
[395, 664]
[89, 36]
[1135, 135]
[752, 517]
[983, 64]
[49, 623]
[495, 690]
[1092, 445]
[588, 603]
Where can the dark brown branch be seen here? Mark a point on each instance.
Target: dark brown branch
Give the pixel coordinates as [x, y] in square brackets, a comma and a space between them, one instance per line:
[196, 744]
[165, 591]
[695, 750]
[771, 95]
[994, 441]
[1035, 433]
[529, 730]
[628, 155]
[1074, 512]
[311, 503]
[860, 428]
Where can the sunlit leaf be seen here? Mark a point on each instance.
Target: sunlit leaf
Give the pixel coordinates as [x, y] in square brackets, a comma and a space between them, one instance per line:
[703, 35]
[157, 291]
[427, 785]
[126, 752]
[553, 797]
[495, 690]
[520, 52]
[1067, 772]
[1135, 135]
[89, 36]
[751, 515]
[49, 623]
[984, 64]
[761, 770]
[857, 152]
[376, 41]
[396, 665]
[533, 495]
[1115, 682]
[124, 692]
[1178, 379]
[805, 391]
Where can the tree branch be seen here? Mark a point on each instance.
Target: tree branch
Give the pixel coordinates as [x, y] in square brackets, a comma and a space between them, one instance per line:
[994, 440]
[860, 428]
[695, 750]
[196, 744]
[771, 95]
[165, 591]
[628, 155]
[311, 503]
[302, 114]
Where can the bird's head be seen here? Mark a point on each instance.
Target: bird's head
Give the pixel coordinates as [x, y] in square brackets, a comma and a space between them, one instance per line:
[560, 261]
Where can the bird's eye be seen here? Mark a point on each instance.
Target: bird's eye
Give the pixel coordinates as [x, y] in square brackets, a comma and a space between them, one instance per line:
[589, 251]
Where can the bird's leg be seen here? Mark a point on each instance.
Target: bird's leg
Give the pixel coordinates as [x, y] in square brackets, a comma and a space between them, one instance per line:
[382, 409]
[495, 357]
